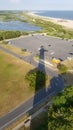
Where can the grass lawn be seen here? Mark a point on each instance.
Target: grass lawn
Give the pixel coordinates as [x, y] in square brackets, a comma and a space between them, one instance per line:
[13, 88]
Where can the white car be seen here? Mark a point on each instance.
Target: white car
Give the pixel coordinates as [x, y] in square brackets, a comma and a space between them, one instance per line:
[39, 49]
[9, 42]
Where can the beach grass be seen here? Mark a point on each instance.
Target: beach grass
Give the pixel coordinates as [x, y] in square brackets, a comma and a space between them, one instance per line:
[48, 27]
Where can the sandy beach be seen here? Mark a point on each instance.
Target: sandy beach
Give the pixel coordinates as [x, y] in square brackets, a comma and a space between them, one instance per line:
[66, 23]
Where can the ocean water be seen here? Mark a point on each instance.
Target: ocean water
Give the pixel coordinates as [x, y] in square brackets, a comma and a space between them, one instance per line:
[18, 25]
[56, 14]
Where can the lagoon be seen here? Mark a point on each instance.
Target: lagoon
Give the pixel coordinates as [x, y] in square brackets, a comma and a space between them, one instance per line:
[18, 25]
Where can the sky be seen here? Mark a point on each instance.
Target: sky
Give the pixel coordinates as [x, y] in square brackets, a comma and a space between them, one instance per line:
[36, 4]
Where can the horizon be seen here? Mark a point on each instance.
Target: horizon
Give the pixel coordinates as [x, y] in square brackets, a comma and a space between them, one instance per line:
[35, 10]
[36, 5]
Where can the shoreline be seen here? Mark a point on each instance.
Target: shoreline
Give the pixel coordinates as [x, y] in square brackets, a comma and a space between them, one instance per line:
[63, 22]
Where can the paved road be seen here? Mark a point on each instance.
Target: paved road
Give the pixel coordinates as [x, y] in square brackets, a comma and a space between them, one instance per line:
[29, 59]
[56, 84]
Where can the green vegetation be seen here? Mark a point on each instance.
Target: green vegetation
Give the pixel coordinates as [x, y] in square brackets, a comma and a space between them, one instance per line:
[11, 34]
[10, 15]
[1, 38]
[62, 68]
[68, 63]
[50, 28]
[66, 71]
[60, 115]
[13, 88]
[36, 79]
[47, 27]
[24, 50]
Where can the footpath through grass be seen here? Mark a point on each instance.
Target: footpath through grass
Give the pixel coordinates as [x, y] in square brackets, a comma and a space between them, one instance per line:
[13, 88]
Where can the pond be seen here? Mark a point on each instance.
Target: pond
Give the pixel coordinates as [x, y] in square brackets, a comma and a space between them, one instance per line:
[18, 25]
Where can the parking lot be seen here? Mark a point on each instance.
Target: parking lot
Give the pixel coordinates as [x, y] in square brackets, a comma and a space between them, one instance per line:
[54, 47]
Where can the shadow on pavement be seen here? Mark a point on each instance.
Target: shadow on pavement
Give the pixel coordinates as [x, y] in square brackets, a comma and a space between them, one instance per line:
[56, 85]
[40, 83]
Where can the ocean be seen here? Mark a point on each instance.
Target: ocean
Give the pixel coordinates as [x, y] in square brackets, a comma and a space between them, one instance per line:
[68, 15]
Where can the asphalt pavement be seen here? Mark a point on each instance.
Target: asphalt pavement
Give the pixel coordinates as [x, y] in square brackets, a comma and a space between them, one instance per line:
[56, 85]
[30, 60]
[55, 47]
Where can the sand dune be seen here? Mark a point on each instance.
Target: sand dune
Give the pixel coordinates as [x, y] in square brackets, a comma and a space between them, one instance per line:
[63, 22]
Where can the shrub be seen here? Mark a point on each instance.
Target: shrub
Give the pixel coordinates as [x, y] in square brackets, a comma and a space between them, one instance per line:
[36, 79]
[62, 68]
[1, 38]
[24, 49]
